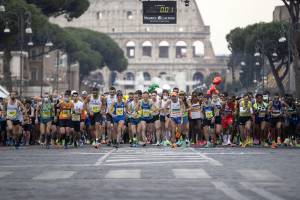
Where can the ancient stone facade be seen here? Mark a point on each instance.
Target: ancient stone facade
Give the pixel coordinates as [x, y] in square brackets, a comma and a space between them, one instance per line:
[161, 51]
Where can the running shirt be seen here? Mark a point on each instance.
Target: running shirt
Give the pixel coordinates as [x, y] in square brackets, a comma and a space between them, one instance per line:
[46, 110]
[109, 101]
[132, 110]
[145, 108]
[276, 109]
[245, 110]
[228, 109]
[95, 104]
[217, 108]
[119, 110]
[195, 112]
[208, 111]
[156, 107]
[65, 110]
[163, 105]
[77, 111]
[175, 110]
[260, 109]
[13, 112]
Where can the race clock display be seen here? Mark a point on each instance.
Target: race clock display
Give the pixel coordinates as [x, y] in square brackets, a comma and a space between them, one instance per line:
[159, 12]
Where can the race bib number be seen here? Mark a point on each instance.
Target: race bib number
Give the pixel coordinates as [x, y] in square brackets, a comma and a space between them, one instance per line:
[12, 114]
[195, 115]
[46, 114]
[76, 118]
[95, 109]
[119, 111]
[262, 114]
[146, 113]
[243, 110]
[209, 114]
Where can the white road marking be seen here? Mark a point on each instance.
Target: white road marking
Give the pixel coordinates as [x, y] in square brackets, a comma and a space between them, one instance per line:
[5, 173]
[156, 162]
[235, 153]
[183, 159]
[190, 174]
[230, 192]
[103, 158]
[211, 160]
[262, 175]
[265, 194]
[47, 165]
[53, 175]
[124, 174]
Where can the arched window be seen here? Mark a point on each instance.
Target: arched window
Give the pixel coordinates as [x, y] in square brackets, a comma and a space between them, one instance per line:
[99, 15]
[147, 76]
[130, 47]
[198, 77]
[181, 48]
[129, 15]
[113, 77]
[163, 49]
[129, 76]
[198, 49]
[147, 48]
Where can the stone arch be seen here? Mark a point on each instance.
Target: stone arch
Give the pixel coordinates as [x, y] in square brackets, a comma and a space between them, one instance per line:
[198, 77]
[130, 49]
[163, 49]
[198, 48]
[147, 76]
[181, 49]
[147, 49]
[129, 76]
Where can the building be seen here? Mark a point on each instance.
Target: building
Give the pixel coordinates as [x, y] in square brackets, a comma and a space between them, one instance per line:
[176, 55]
[39, 70]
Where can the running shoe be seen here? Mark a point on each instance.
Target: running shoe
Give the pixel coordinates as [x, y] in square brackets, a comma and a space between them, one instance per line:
[286, 141]
[103, 142]
[274, 145]
[173, 146]
[208, 145]
[256, 141]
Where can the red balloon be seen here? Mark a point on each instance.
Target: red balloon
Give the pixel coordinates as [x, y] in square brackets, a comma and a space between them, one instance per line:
[208, 92]
[212, 88]
[217, 80]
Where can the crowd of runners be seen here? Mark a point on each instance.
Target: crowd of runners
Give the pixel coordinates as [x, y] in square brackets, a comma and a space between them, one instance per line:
[172, 119]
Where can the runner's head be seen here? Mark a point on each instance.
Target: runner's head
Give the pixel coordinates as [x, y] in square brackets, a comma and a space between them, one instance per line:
[13, 95]
[119, 95]
[130, 96]
[145, 96]
[75, 96]
[246, 98]
[165, 94]
[67, 95]
[112, 91]
[84, 94]
[136, 96]
[154, 95]
[46, 97]
[182, 95]
[95, 92]
[176, 89]
[276, 97]
[259, 98]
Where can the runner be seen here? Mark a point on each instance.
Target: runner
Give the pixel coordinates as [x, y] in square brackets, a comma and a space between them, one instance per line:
[145, 110]
[134, 119]
[184, 129]
[228, 120]
[208, 111]
[155, 121]
[65, 118]
[93, 106]
[110, 99]
[165, 119]
[276, 111]
[118, 112]
[292, 121]
[76, 111]
[196, 117]
[216, 103]
[245, 112]
[14, 108]
[2, 122]
[27, 124]
[176, 112]
[260, 109]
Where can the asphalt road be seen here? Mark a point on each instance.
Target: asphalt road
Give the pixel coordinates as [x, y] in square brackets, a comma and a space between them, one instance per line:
[149, 173]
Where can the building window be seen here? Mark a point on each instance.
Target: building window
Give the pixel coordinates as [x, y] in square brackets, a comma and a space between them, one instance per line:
[130, 49]
[147, 49]
[163, 49]
[198, 49]
[198, 77]
[147, 76]
[99, 15]
[129, 15]
[181, 48]
[34, 74]
[129, 76]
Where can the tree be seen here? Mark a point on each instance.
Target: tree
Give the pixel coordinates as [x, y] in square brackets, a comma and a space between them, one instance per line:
[70, 8]
[294, 11]
[262, 38]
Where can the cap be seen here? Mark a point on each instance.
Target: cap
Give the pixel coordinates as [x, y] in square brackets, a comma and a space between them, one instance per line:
[174, 94]
[84, 92]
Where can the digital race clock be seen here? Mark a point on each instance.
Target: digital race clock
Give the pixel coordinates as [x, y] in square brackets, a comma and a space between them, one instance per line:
[159, 12]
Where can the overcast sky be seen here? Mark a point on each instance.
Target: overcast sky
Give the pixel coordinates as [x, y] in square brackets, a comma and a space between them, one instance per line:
[224, 15]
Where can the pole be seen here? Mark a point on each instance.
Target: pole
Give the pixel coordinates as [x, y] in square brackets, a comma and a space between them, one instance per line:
[57, 73]
[289, 56]
[42, 73]
[21, 49]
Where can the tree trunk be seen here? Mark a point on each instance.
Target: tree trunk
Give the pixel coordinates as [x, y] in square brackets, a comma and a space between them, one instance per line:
[296, 63]
[6, 69]
[276, 77]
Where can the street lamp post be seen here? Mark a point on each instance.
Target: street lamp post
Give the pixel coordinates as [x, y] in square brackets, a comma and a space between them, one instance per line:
[24, 23]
